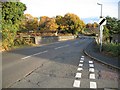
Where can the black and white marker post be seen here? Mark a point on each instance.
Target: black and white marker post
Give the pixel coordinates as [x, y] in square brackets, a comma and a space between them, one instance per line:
[101, 22]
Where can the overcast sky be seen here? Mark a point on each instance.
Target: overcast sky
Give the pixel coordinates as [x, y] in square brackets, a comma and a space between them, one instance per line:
[83, 8]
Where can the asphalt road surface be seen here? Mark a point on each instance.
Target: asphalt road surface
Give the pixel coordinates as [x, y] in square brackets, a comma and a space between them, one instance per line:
[58, 65]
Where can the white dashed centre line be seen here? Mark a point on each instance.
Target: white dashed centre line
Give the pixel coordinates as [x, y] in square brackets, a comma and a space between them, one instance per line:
[91, 70]
[92, 76]
[34, 54]
[79, 69]
[80, 65]
[90, 61]
[27, 57]
[78, 75]
[76, 83]
[93, 85]
[91, 65]
[61, 47]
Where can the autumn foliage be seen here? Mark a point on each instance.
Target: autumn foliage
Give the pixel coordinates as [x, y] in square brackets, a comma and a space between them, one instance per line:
[29, 23]
[69, 23]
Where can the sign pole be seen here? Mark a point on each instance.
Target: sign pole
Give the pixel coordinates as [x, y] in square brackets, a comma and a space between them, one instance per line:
[101, 36]
[102, 22]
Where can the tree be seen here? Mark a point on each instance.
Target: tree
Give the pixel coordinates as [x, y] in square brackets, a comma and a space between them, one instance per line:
[94, 25]
[106, 33]
[51, 25]
[42, 21]
[29, 23]
[73, 23]
[12, 13]
[118, 28]
[112, 25]
[88, 25]
[59, 20]
[62, 26]
[48, 24]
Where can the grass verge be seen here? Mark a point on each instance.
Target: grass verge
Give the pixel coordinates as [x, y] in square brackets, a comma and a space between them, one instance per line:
[112, 48]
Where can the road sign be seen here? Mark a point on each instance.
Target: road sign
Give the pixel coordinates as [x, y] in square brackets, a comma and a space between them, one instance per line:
[102, 21]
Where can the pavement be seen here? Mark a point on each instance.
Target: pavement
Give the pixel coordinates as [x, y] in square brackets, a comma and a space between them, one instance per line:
[93, 52]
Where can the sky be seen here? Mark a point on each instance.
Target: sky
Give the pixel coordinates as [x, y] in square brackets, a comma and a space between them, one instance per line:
[88, 10]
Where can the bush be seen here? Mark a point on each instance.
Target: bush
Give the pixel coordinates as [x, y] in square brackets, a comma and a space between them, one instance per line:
[112, 48]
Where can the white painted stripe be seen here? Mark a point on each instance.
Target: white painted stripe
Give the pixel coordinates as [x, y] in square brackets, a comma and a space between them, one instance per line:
[81, 61]
[34, 54]
[91, 70]
[82, 56]
[39, 53]
[91, 65]
[92, 76]
[76, 83]
[61, 47]
[80, 65]
[27, 57]
[90, 61]
[79, 69]
[93, 85]
[78, 75]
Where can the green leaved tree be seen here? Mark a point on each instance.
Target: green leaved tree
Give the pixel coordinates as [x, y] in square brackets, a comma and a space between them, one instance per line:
[112, 25]
[12, 13]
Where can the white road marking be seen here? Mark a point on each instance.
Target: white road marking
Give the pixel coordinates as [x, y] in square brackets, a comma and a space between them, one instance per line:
[91, 65]
[27, 57]
[92, 76]
[82, 56]
[90, 61]
[76, 83]
[49, 44]
[91, 70]
[79, 69]
[34, 54]
[93, 85]
[80, 65]
[78, 75]
[81, 61]
[61, 47]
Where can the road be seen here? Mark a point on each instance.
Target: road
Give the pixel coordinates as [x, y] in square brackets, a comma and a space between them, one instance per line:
[57, 65]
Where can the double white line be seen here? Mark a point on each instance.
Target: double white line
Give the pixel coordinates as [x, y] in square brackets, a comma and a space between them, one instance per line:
[77, 83]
